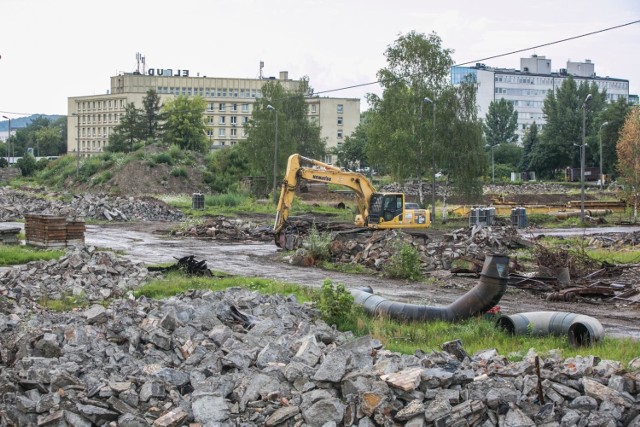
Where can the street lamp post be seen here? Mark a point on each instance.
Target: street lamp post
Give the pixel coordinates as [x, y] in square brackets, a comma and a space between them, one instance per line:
[77, 145]
[275, 157]
[582, 154]
[601, 174]
[9, 142]
[433, 159]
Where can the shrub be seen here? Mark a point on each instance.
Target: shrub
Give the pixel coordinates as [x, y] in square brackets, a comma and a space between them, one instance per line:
[227, 200]
[179, 171]
[163, 158]
[317, 244]
[335, 303]
[404, 263]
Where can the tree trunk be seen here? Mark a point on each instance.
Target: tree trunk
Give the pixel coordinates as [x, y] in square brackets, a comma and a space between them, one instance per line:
[420, 192]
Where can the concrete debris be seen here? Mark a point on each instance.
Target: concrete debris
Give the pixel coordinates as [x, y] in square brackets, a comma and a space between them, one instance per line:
[222, 228]
[186, 361]
[15, 204]
[83, 274]
[373, 250]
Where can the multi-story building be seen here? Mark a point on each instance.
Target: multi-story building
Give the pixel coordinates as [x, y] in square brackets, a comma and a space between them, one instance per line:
[527, 87]
[229, 104]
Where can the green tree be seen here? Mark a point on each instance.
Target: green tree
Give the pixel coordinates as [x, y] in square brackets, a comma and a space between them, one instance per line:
[225, 169]
[352, 153]
[185, 124]
[48, 141]
[563, 110]
[151, 116]
[628, 149]
[296, 133]
[529, 141]
[27, 164]
[128, 131]
[501, 123]
[400, 136]
[614, 116]
[44, 136]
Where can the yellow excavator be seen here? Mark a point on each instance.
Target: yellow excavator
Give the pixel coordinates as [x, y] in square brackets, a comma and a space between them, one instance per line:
[375, 210]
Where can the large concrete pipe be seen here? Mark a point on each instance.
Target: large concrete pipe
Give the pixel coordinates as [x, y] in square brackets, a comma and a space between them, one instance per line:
[581, 330]
[486, 294]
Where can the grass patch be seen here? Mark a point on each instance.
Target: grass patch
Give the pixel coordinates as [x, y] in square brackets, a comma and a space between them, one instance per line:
[476, 334]
[176, 283]
[15, 254]
[345, 268]
[66, 303]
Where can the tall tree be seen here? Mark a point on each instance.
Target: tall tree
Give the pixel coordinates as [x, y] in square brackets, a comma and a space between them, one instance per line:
[529, 141]
[564, 113]
[43, 136]
[151, 116]
[352, 153]
[501, 123]
[296, 133]
[401, 135]
[614, 116]
[185, 124]
[628, 149]
[128, 131]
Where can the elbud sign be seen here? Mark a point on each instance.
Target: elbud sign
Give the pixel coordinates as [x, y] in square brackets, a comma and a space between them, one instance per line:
[168, 72]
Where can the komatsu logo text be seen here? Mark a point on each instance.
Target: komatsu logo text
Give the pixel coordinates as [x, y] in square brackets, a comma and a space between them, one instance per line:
[322, 178]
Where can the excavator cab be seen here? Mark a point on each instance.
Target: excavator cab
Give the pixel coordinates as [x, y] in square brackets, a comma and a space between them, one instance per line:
[387, 210]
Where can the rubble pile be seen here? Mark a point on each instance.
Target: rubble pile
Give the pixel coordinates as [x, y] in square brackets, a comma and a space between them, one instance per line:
[527, 188]
[374, 249]
[222, 228]
[240, 358]
[15, 204]
[84, 273]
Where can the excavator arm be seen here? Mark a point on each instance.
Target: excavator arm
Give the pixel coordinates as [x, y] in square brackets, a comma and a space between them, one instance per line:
[299, 167]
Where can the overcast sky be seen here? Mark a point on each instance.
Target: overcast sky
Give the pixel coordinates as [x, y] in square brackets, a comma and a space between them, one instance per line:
[51, 50]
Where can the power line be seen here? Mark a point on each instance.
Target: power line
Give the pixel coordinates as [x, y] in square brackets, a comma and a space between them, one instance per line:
[492, 57]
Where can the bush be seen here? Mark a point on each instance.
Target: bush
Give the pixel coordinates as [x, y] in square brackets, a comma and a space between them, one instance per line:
[179, 171]
[404, 263]
[317, 244]
[335, 304]
[27, 165]
[163, 158]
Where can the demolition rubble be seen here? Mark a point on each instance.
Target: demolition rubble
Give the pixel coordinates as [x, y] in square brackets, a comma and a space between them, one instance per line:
[16, 203]
[241, 358]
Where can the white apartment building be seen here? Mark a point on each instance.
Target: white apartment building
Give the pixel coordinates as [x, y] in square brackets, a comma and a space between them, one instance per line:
[527, 87]
[229, 104]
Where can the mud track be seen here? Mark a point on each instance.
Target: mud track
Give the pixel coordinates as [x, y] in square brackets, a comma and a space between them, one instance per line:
[150, 243]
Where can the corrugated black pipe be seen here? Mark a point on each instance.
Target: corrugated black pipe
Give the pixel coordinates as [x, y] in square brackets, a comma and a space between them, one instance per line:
[486, 294]
[581, 330]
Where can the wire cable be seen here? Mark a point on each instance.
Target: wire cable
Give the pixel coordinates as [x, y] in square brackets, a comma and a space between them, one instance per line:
[491, 57]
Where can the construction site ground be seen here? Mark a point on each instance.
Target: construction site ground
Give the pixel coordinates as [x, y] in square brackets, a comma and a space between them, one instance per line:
[152, 243]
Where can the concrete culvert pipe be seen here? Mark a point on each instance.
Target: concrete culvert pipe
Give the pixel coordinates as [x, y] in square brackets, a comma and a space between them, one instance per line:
[485, 295]
[581, 330]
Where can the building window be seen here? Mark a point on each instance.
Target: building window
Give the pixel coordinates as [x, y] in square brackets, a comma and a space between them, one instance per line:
[245, 108]
[222, 120]
[245, 119]
[339, 134]
[210, 120]
[234, 132]
[234, 120]
[221, 132]
[314, 108]
[220, 107]
[210, 106]
[340, 108]
[234, 107]
[339, 121]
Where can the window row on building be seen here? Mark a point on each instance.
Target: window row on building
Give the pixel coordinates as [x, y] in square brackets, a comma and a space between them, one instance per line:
[209, 92]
